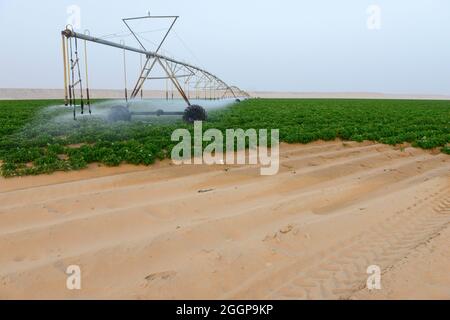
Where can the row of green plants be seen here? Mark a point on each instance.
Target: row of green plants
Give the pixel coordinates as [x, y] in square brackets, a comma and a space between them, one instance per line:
[15, 114]
[33, 141]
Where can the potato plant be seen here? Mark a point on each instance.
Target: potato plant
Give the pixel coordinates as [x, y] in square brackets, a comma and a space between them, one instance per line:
[32, 144]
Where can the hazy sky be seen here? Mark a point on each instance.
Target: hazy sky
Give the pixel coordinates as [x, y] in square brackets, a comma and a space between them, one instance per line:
[283, 45]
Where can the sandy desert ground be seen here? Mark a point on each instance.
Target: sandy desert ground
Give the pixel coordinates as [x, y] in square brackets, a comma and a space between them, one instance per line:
[209, 232]
[27, 94]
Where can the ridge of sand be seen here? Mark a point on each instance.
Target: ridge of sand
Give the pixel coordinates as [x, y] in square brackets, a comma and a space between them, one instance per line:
[30, 94]
[309, 232]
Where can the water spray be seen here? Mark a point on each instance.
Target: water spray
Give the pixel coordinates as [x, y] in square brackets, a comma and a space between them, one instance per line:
[174, 71]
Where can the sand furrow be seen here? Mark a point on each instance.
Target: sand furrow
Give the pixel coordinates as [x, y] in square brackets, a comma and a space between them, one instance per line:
[308, 232]
[76, 207]
[147, 217]
[172, 176]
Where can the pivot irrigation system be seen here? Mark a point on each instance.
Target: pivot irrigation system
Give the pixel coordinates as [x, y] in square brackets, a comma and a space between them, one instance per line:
[191, 82]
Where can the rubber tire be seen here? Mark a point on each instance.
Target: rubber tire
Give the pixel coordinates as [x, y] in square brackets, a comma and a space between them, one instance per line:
[119, 113]
[194, 113]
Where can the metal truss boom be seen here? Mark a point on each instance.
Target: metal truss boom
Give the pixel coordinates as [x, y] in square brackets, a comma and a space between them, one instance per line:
[170, 66]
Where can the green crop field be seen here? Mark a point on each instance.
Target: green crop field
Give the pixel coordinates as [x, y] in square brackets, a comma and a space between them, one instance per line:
[32, 144]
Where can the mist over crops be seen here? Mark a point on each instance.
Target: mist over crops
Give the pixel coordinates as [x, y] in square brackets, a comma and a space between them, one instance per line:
[101, 110]
[57, 121]
[43, 137]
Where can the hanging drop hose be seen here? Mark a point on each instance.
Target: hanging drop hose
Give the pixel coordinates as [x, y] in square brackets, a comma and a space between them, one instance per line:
[65, 69]
[167, 89]
[125, 69]
[68, 72]
[72, 90]
[79, 76]
[87, 77]
[186, 85]
[142, 89]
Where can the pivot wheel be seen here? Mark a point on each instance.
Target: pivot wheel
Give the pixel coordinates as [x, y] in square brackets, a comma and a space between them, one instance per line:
[194, 113]
[119, 113]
